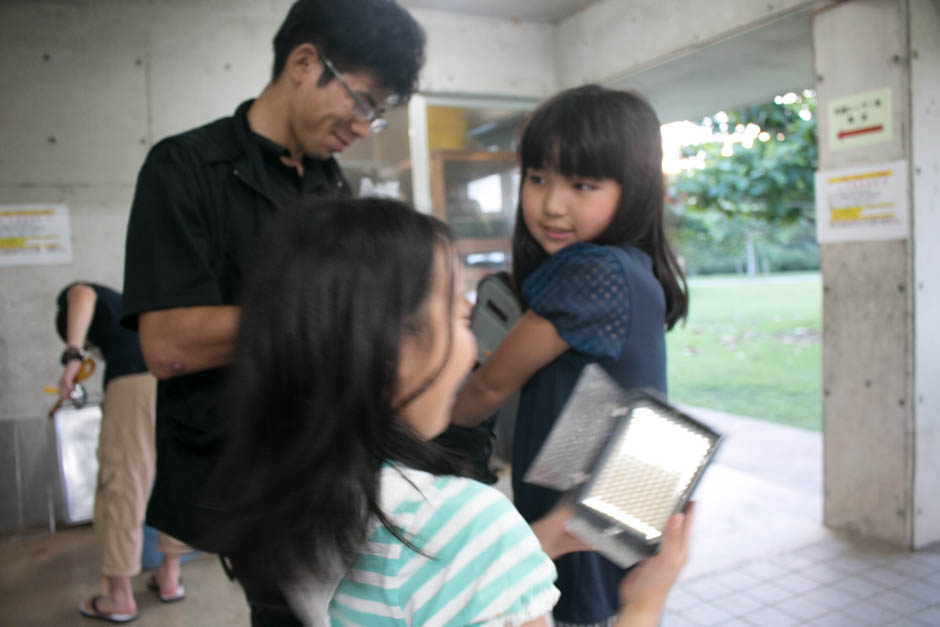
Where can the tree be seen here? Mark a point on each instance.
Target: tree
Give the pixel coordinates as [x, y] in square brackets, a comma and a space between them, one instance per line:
[760, 175]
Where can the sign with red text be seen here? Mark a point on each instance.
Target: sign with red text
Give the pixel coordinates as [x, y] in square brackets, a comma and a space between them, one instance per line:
[860, 120]
[864, 203]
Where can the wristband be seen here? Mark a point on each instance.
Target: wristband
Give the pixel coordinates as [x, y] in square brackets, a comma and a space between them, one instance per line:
[70, 354]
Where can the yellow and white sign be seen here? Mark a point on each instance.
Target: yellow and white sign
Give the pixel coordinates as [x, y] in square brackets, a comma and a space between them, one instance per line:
[861, 119]
[34, 235]
[865, 203]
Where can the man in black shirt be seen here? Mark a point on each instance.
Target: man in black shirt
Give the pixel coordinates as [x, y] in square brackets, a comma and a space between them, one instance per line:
[204, 196]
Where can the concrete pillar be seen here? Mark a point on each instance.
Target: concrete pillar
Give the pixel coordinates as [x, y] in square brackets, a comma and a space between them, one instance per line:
[880, 357]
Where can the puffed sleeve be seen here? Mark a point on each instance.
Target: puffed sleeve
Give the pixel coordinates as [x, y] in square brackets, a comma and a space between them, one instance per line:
[583, 291]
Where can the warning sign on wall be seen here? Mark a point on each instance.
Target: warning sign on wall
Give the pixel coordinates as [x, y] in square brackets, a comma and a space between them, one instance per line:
[860, 120]
[34, 234]
[863, 203]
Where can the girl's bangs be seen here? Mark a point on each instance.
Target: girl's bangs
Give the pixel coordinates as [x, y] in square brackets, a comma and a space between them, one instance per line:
[578, 144]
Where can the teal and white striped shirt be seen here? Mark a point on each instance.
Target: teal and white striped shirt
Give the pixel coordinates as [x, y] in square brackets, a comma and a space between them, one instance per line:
[482, 563]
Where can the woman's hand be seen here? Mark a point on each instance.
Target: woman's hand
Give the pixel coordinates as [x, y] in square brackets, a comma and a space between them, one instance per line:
[643, 591]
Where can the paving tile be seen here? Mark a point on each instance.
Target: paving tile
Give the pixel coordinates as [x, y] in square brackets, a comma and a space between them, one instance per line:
[911, 567]
[735, 580]
[823, 573]
[797, 584]
[898, 603]
[868, 613]
[803, 608]
[679, 599]
[906, 622]
[858, 586]
[769, 593]
[763, 571]
[675, 620]
[795, 562]
[831, 597]
[850, 564]
[739, 604]
[928, 557]
[706, 588]
[771, 617]
[836, 619]
[821, 551]
[707, 615]
[930, 616]
[887, 578]
[921, 591]
[875, 558]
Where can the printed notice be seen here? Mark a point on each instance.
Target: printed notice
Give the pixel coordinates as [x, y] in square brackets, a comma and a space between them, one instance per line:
[34, 235]
[862, 203]
[862, 119]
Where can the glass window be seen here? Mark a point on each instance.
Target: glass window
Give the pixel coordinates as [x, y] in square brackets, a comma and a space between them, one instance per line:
[474, 182]
[467, 170]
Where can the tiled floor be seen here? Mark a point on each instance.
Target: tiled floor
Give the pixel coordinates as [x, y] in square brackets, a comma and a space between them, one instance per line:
[833, 583]
[761, 557]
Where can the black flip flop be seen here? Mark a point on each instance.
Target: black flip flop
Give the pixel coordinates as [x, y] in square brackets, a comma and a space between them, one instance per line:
[111, 617]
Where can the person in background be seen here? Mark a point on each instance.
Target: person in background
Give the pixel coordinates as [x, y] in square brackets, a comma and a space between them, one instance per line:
[203, 197]
[599, 284]
[353, 342]
[89, 317]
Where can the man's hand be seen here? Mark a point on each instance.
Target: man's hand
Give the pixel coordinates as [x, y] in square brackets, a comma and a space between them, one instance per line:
[67, 380]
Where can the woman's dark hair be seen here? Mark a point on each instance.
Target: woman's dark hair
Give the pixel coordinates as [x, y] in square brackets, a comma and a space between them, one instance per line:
[337, 286]
[375, 36]
[601, 133]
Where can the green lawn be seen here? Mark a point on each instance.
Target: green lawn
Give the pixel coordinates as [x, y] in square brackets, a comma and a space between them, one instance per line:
[751, 347]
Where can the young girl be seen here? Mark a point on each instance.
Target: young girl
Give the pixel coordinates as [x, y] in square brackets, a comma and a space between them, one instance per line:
[600, 284]
[353, 342]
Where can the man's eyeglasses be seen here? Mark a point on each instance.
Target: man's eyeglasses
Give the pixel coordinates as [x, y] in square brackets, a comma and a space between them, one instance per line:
[363, 111]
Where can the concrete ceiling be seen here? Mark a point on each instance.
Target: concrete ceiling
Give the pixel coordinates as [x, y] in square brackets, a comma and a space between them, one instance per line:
[747, 69]
[552, 11]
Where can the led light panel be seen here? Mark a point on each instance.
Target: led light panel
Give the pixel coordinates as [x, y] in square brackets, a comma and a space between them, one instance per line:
[646, 472]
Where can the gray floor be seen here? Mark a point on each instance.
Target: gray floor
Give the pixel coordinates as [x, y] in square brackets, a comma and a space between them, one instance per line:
[761, 557]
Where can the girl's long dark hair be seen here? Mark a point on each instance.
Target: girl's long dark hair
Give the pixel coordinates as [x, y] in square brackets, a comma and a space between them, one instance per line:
[336, 286]
[600, 133]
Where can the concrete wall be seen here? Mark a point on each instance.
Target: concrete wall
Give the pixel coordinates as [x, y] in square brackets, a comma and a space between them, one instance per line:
[880, 446]
[89, 86]
[472, 55]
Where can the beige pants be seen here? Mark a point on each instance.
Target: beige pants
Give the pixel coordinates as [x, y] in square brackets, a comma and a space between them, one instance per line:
[126, 461]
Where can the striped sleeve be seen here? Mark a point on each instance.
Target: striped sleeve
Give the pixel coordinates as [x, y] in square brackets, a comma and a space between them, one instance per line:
[478, 562]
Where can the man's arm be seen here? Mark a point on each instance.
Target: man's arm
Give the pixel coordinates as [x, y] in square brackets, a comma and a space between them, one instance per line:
[80, 302]
[530, 345]
[185, 340]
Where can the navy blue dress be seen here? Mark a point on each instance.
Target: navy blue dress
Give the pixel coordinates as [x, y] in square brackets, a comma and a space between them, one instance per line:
[608, 306]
